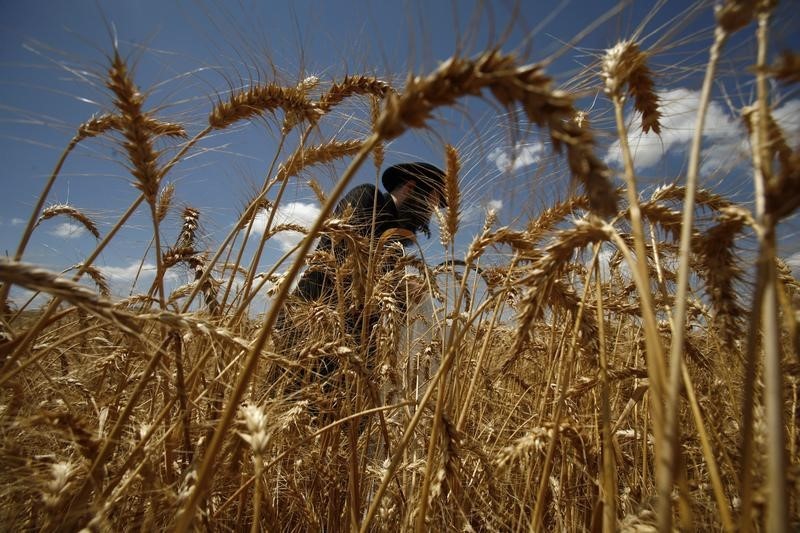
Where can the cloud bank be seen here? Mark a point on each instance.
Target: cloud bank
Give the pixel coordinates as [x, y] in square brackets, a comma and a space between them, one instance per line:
[794, 263]
[300, 213]
[68, 230]
[725, 142]
[515, 157]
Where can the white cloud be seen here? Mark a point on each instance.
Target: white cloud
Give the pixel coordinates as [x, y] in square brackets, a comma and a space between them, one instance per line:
[515, 157]
[127, 273]
[494, 205]
[725, 140]
[788, 118]
[678, 116]
[120, 278]
[17, 221]
[68, 230]
[794, 263]
[300, 213]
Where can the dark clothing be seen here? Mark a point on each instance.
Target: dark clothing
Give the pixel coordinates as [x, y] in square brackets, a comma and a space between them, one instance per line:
[318, 284]
[300, 325]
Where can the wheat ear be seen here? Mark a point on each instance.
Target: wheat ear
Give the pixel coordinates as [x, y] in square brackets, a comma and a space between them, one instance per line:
[132, 123]
[259, 99]
[379, 152]
[626, 65]
[781, 191]
[350, 86]
[733, 15]
[307, 156]
[135, 126]
[71, 212]
[98, 278]
[452, 195]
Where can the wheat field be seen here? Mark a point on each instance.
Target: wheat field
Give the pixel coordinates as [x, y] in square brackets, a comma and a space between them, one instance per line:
[612, 362]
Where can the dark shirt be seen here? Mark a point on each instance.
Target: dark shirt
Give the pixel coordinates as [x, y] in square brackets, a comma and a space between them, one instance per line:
[318, 284]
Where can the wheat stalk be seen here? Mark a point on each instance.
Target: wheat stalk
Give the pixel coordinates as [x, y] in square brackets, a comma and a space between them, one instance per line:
[97, 125]
[619, 63]
[136, 127]
[318, 190]
[778, 508]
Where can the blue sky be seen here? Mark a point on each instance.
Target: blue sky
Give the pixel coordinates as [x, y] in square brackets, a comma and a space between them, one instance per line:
[54, 56]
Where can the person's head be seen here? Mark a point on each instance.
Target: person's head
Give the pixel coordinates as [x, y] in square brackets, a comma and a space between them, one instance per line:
[417, 189]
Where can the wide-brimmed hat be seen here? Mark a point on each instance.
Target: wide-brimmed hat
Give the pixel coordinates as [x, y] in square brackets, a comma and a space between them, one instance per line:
[428, 178]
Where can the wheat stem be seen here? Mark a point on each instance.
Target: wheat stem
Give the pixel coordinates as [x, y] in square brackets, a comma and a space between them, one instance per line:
[778, 506]
[609, 478]
[159, 281]
[670, 445]
[654, 350]
[748, 401]
[708, 453]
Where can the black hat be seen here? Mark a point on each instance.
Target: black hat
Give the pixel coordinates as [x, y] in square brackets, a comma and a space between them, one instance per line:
[428, 178]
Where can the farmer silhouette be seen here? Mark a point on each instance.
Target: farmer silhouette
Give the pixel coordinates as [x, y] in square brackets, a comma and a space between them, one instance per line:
[413, 191]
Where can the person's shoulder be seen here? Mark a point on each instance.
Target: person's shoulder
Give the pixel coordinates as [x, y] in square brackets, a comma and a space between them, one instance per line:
[362, 194]
[364, 188]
